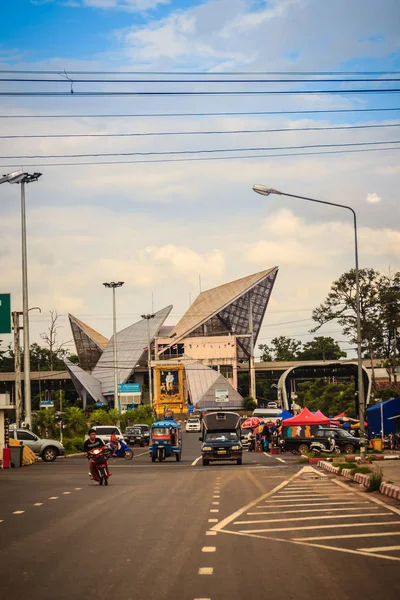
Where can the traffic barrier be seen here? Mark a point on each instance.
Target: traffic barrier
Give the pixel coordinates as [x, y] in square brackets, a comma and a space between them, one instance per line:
[347, 473]
[362, 478]
[390, 490]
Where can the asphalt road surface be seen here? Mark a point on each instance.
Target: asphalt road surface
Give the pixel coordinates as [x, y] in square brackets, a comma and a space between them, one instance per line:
[179, 531]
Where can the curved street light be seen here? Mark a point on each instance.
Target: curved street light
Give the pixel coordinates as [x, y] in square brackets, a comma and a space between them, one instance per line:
[266, 191]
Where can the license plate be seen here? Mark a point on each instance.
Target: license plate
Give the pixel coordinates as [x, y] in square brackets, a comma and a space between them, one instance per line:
[221, 451]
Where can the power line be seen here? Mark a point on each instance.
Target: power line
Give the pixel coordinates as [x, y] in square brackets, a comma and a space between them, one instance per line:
[197, 73]
[215, 132]
[208, 158]
[211, 151]
[69, 80]
[205, 114]
[72, 93]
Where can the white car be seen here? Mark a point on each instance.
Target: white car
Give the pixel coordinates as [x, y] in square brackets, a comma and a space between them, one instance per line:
[193, 425]
[104, 432]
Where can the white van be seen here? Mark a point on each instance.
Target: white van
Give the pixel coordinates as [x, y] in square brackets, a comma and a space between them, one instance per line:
[267, 414]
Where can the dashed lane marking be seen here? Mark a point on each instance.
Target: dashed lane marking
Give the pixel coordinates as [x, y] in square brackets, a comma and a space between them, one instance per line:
[211, 533]
[215, 503]
[214, 510]
[209, 549]
[38, 504]
[213, 520]
[195, 461]
[273, 456]
[53, 498]
[77, 489]
[206, 570]
[66, 493]
[18, 512]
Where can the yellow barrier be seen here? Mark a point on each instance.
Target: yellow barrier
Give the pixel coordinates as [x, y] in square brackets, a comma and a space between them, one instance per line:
[28, 456]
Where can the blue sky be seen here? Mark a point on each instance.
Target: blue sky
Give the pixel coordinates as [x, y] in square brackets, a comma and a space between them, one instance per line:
[158, 226]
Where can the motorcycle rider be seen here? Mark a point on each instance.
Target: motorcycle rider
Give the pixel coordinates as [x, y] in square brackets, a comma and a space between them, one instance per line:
[90, 444]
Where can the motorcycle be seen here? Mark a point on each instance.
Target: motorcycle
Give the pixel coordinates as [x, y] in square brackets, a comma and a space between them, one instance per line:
[319, 447]
[97, 457]
[123, 451]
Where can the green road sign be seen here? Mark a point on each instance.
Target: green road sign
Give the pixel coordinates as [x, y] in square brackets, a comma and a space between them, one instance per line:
[5, 313]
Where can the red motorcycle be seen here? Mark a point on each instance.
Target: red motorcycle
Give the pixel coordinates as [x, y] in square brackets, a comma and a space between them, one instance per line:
[98, 461]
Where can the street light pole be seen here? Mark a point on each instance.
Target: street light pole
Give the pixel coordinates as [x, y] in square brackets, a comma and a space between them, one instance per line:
[264, 191]
[113, 285]
[23, 178]
[148, 317]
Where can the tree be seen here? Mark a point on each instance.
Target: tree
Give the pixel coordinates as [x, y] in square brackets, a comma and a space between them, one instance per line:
[282, 349]
[45, 422]
[75, 420]
[321, 348]
[6, 359]
[56, 350]
[329, 398]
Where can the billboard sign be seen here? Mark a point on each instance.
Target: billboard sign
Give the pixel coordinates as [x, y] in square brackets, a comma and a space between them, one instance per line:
[129, 387]
[221, 395]
[5, 313]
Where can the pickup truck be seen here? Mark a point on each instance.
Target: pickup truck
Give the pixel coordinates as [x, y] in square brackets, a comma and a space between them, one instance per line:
[137, 434]
[48, 450]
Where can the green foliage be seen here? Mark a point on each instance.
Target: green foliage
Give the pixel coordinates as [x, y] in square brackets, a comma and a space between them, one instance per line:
[73, 444]
[74, 420]
[387, 393]
[329, 398]
[321, 348]
[100, 417]
[363, 470]
[44, 422]
[141, 414]
[380, 310]
[375, 480]
[249, 403]
[282, 349]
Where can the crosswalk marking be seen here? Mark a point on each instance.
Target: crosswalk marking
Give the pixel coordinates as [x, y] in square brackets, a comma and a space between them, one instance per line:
[317, 518]
[380, 549]
[336, 526]
[293, 505]
[309, 510]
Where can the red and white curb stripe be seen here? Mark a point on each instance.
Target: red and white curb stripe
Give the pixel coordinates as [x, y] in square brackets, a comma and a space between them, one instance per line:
[387, 489]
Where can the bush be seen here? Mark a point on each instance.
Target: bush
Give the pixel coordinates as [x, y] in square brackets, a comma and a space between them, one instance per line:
[249, 403]
[363, 470]
[73, 444]
[345, 465]
[375, 481]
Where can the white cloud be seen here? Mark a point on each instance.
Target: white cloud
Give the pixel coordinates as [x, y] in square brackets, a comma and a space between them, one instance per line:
[372, 198]
[129, 5]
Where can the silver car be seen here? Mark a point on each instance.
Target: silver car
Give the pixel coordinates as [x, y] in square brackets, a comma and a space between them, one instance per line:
[48, 450]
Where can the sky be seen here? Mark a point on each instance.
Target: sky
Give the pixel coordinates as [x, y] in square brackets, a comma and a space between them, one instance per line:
[167, 228]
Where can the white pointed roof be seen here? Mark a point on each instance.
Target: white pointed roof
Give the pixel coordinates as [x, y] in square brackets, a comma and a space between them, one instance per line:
[131, 343]
[202, 383]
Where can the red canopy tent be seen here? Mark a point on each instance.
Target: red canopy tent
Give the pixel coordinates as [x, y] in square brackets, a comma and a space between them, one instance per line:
[306, 417]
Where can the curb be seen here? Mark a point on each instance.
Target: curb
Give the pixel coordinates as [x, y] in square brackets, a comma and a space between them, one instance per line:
[387, 489]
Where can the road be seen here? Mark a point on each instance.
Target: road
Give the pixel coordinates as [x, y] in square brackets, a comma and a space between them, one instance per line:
[180, 531]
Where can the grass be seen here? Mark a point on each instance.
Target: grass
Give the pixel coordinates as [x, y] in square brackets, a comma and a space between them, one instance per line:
[345, 465]
[375, 481]
[363, 470]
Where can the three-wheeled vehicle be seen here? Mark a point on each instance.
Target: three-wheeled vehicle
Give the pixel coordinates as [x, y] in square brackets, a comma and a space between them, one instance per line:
[166, 440]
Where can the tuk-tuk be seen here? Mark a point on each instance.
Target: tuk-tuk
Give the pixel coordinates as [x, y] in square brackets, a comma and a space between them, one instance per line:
[165, 440]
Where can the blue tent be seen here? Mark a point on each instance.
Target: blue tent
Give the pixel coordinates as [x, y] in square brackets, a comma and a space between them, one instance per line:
[285, 415]
[391, 408]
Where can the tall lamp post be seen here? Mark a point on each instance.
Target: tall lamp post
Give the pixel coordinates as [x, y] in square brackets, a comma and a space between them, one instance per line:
[113, 285]
[265, 191]
[23, 178]
[148, 317]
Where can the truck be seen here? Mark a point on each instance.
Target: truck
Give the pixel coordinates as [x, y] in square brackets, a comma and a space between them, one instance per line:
[220, 434]
[48, 450]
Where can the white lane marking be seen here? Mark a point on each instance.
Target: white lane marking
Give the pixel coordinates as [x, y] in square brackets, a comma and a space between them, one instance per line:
[214, 510]
[309, 510]
[66, 493]
[1, 521]
[213, 520]
[344, 537]
[38, 504]
[202, 599]
[141, 454]
[18, 512]
[273, 456]
[53, 498]
[217, 496]
[77, 488]
[209, 549]
[206, 571]
[316, 518]
[195, 461]
[211, 533]
[379, 549]
[315, 497]
[335, 526]
[295, 505]
[325, 494]
[215, 503]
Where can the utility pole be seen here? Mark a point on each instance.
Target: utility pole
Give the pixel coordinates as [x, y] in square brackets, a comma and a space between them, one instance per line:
[252, 369]
[61, 411]
[148, 317]
[113, 285]
[17, 368]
